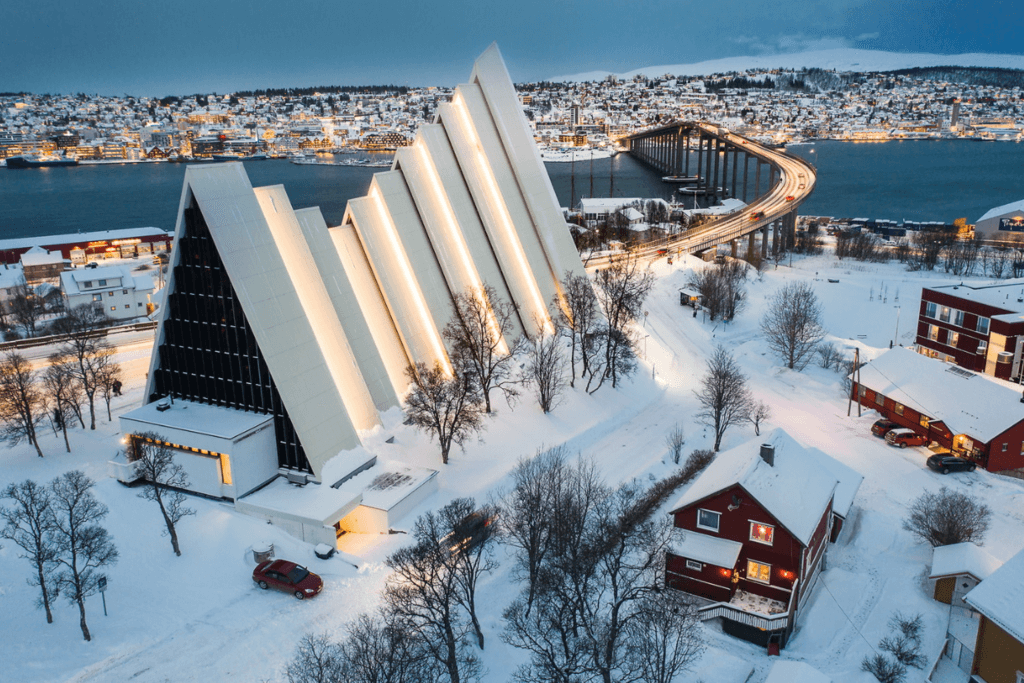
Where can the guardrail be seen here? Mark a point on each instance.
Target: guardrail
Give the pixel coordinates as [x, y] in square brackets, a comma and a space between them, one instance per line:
[57, 338]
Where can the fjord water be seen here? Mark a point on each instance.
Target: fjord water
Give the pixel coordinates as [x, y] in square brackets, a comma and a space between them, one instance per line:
[917, 180]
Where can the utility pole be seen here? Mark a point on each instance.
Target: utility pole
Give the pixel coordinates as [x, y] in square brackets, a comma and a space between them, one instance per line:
[854, 380]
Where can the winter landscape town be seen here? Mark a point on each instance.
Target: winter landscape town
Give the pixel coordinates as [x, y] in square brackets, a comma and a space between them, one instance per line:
[470, 434]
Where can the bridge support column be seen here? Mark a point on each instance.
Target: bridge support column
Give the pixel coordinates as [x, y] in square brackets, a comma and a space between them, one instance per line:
[757, 181]
[732, 248]
[764, 242]
[735, 165]
[707, 162]
[777, 230]
[751, 244]
[725, 170]
[686, 153]
[791, 230]
[746, 169]
[715, 176]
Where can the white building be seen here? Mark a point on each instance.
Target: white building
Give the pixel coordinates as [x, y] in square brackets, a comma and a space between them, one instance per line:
[11, 277]
[1001, 222]
[274, 317]
[112, 289]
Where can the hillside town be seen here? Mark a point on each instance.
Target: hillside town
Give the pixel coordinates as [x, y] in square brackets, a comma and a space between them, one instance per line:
[774, 106]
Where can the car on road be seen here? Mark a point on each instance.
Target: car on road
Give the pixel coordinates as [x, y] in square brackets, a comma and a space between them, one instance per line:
[287, 576]
[904, 438]
[757, 215]
[790, 198]
[946, 463]
[883, 427]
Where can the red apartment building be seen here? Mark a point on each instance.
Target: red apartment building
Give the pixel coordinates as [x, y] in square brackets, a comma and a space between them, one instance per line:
[752, 531]
[975, 327]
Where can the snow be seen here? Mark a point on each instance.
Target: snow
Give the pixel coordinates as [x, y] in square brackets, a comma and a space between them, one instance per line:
[962, 558]
[198, 617]
[312, 502]
[1006, 297]
[795, 490]
[968, 403]
[795, 672]
[200, 418]
[840, 59]
[1000, 596]
[692, 545]
[1012, 207]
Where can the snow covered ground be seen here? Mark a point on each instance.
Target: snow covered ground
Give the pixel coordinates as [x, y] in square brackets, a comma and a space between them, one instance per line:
[840, 59]
[200, 618]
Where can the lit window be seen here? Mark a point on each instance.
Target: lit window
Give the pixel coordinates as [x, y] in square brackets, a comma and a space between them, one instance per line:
[225, 469]
[758, 571]
[110, 294]
[954, 337]
[706, 519]
[933, 332]
[899, 408]
[930, 308]
[861, 391]
[982, 325]
[958, 318]
[982, 346]
[113, 308]
[924, 421]
[879, 399]
[695, 566]
[762, 533]
[944, 314]
[97, 297]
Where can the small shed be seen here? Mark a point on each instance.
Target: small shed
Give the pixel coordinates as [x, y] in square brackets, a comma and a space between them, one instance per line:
[688, 296]
[958, 568]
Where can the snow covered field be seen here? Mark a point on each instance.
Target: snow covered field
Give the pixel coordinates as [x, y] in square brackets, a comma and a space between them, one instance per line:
[200, 618]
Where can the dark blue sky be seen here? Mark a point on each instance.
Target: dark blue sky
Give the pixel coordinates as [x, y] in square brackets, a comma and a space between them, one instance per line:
[162, 47]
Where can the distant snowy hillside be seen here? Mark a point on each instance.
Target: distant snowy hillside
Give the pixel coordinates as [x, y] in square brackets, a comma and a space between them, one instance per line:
[843, 59]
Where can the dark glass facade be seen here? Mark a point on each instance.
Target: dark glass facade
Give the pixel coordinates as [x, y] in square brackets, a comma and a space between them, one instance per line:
[209, 354]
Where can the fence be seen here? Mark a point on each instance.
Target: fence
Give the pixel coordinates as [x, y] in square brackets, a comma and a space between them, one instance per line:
[56, 338]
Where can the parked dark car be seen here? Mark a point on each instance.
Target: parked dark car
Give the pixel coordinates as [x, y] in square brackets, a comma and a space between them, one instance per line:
[883, 427]
[945, 463]
[288, 577]
[904, 438]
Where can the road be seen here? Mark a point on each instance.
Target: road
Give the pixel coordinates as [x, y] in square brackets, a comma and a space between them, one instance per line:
[797, 179]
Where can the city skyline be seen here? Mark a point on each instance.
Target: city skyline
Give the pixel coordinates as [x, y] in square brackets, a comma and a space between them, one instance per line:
[191, 47]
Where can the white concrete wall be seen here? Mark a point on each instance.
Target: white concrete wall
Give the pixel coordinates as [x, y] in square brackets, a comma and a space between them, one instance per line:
[254, 460]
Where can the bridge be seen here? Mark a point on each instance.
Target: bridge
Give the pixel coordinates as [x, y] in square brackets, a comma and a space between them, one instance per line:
[774, 190]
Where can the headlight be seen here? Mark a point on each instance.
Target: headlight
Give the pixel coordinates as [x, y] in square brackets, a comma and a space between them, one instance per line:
[310, 590]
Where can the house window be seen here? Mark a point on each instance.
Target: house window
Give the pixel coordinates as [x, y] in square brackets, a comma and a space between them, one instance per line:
[97, 297]
[225, 469]
[879, 399]
[982, 325]
[899, 408]
[762, 533]
[924, 421]
[124, 291]
[127, 306]
[758, 571]
[930, 308]
[1004, 447]
[944, 314]
[695, 566]
[861, 391]
[103, 283]
[110, 294]
[113, 308]
[954, 337]
[706, 519]
[85, 285]
[933, 332]
[958, 318]
[982, 346]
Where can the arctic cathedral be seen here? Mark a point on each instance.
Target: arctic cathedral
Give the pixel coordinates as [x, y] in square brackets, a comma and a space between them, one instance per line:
[282, 339]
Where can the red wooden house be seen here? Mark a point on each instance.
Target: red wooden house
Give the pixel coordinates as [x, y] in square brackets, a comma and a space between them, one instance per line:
[969, 413]
[752, 531]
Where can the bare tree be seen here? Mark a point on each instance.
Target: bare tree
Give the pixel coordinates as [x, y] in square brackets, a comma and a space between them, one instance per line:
[665, 638]
[83, 545]
[164, 479]
[829, 355]
[450, 408]
[107, 373]
[580, 320]
[759, 412]
[721, 288]
[22, 405]
[64, 392]
[886, 670]
[378, 650]
[675, 440]
[723, 394]
[792, 324]
[317, 660]
[621, 290]
[469, 534]
[91, 356]
[481, 337]
[544, 369]
[26, 308]
[948, 517]
[423, 596]
[29, 523]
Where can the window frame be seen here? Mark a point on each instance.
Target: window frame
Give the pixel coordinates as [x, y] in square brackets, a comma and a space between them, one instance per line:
[958, 318]
[898, 408]
[982, 346]
[764, 565]
[933, 333]
[771, 533]
[945, 313]
[931, 309]
[718, 520]
[952, 339]
[879, 398]
[694, 565]
[979, 327]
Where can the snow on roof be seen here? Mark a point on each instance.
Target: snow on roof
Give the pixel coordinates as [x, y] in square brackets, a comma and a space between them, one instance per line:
[632, 214]
[388, 483]
[962, 558]
[607, 203]
[727, 206]
[143, 283]
[1012, 207]
[200, 418]
[796, 490]
[11, 275]
[967, 402]
[93, 274]
[82, 238]
[37, 256]
[1000, 596]
[1006, 296]
[312, 502]
[795, 672]
[720, 552]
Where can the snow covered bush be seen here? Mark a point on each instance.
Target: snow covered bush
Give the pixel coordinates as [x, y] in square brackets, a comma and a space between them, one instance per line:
[884, 669]
[948, 517]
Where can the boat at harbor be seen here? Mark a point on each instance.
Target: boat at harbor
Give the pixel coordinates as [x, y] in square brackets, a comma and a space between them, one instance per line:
[565, 155]
[361, 163]
[681, 179]
[39, 162]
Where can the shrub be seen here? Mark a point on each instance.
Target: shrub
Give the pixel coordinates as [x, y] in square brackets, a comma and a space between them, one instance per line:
[948, 517]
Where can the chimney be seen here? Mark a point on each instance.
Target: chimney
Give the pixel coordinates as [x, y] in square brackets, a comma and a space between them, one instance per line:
[768, 454]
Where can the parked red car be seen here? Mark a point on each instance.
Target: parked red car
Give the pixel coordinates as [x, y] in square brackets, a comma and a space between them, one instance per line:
[882, 427]
[904, 438]
[288, 577]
